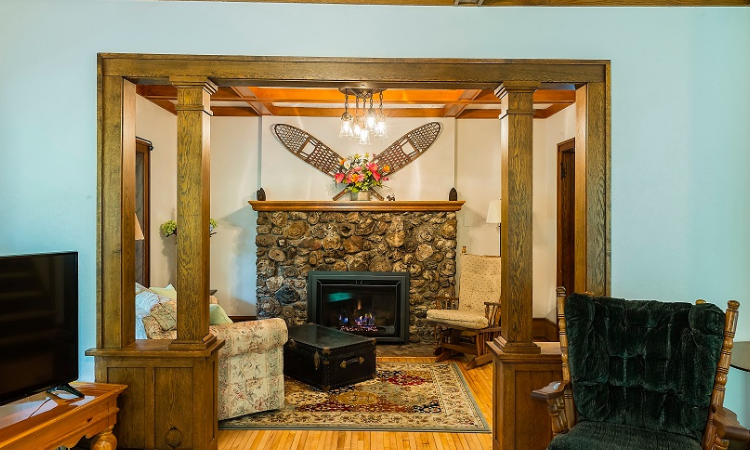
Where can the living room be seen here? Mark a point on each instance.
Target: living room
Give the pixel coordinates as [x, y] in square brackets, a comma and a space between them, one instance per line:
[662, 246]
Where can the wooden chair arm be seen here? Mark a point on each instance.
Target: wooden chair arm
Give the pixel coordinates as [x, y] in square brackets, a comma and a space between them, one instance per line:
[550, 392]
[727, 425]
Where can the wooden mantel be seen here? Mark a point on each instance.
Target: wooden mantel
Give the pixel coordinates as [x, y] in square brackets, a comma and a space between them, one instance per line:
[385, 206]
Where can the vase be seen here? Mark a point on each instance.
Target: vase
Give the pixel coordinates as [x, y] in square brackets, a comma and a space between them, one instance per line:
[361, 196]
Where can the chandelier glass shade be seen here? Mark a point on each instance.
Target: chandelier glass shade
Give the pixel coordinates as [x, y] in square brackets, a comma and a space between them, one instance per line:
[367, 123]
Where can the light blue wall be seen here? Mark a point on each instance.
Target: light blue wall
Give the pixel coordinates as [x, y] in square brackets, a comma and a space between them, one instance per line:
[680, 114]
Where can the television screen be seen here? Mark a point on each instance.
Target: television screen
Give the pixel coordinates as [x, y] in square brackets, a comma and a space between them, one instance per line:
[38, 323]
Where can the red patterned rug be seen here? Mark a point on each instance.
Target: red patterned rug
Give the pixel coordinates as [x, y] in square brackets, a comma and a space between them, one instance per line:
[404, 397]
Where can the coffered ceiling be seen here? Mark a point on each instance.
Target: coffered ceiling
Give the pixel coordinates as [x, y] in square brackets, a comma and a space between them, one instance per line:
[329, 102]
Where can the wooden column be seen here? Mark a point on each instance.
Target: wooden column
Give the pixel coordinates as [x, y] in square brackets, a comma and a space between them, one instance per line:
[116, 205]
[518, 421]
[193, 184]
[591, 176]
[516, 145]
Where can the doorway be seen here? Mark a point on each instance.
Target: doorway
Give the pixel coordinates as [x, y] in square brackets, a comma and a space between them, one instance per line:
[566, 190]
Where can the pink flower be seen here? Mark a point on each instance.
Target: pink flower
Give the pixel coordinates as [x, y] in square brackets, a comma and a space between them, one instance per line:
[376, 175]
[340, 177]
[372, 167]
[357, 168]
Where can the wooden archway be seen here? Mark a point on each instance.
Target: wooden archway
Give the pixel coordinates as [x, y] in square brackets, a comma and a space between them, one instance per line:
[155, 412]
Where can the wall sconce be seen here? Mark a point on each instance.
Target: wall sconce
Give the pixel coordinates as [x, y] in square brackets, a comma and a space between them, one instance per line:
[493, 216]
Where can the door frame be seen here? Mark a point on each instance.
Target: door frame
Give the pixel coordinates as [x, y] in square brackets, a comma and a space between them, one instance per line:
[562, 147]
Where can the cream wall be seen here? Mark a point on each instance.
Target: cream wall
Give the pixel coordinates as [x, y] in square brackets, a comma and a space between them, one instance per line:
[547, 134]
[286, 177]
[477, 182]
[160, 127]
[235, 160]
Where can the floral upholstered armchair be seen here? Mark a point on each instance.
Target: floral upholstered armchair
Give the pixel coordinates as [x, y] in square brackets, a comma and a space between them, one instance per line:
[251, 371]
[641, 375]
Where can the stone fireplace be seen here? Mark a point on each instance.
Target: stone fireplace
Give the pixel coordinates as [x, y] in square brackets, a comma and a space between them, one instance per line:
[295, 238]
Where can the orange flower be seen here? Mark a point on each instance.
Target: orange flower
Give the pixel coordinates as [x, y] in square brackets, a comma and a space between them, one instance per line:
[386, 168]
[353, 178]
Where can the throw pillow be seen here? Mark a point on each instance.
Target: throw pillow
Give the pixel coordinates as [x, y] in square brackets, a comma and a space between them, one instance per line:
[139, 288]
[168, 291]
[166, 314]
[217, 315]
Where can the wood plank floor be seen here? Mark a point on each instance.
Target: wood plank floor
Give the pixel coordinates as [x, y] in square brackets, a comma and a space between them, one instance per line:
[479, 380]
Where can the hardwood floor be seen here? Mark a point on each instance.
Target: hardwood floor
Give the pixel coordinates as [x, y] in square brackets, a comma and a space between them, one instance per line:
[480, 383]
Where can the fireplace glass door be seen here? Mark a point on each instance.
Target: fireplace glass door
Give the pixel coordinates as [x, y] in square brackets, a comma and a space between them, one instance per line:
[372, 304]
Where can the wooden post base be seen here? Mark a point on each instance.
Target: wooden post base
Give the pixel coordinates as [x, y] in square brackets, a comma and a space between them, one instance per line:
[171, 400]
[521, 423]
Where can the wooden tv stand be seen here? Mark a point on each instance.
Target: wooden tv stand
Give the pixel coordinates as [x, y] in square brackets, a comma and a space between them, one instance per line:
[44, 421]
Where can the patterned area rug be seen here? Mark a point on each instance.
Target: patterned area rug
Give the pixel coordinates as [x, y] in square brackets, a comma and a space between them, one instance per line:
[404, 397]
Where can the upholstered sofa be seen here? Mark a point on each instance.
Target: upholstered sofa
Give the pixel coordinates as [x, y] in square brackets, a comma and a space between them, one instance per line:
[251, 372]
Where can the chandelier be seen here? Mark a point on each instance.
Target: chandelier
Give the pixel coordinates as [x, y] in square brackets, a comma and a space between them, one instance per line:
[361, 126]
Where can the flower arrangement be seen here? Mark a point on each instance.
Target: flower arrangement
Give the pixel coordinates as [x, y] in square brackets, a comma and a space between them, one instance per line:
[360, 174]
[169, 227]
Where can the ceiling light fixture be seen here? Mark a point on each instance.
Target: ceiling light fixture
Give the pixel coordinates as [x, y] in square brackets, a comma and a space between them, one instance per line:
[370, 123]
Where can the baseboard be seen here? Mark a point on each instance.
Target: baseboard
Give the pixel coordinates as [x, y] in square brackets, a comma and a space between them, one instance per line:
[544, 330]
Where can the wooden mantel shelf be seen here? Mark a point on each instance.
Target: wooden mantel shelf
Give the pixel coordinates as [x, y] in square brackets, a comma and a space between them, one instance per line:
[385, 206]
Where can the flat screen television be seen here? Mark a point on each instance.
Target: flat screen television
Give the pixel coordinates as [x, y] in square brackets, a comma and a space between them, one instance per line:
[38, 323]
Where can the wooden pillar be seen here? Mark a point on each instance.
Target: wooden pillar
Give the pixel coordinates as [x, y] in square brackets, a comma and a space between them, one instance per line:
[516, 144]
[591, 176]
[520, 365]
[193, 184]
[116, 308]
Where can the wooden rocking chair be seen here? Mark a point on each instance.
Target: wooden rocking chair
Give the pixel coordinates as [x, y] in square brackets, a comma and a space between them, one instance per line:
[463, 324]
[640, 375]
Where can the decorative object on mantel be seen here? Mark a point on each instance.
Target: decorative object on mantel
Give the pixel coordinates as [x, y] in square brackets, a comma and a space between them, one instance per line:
[361, 176]
[391, 198]
[314, 152]
[453, 195]
[260, 195]
[169, 227]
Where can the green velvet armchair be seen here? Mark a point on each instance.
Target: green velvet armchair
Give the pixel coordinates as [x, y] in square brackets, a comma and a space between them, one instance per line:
[642, 375]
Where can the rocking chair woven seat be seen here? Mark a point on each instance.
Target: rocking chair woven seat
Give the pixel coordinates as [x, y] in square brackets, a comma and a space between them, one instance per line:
[642, 375]
[463, 324]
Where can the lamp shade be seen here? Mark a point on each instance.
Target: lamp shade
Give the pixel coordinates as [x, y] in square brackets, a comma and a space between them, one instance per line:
[138, 230]
[493, 212]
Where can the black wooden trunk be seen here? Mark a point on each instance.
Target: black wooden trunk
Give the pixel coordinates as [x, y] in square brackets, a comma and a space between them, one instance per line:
[328, 358]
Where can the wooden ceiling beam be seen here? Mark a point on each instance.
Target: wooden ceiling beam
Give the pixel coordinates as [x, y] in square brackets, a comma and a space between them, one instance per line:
[337, 112]
[455, 109]
[499, 3]
[256, 106]
[234, 111]
[551, 110]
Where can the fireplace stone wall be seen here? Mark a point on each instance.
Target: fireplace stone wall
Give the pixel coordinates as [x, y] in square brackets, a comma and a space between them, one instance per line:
[291, 243]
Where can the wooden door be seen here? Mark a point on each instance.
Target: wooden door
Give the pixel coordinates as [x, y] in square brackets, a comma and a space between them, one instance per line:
[142, 211]
[566, 184]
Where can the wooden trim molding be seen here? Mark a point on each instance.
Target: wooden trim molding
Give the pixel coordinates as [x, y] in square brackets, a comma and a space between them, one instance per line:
[158, 376]
[401, 206]
[545, 330]
[638, 3]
